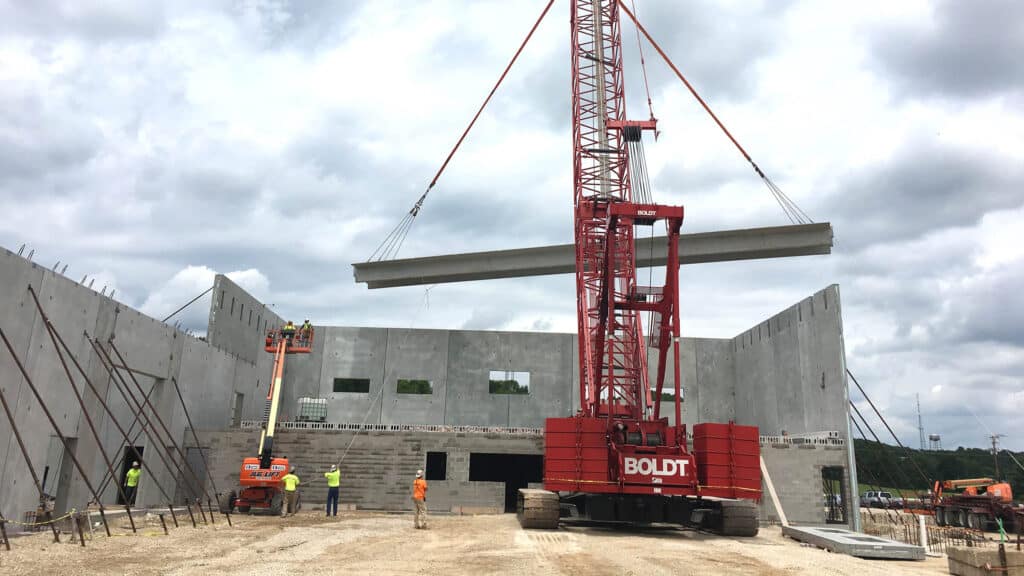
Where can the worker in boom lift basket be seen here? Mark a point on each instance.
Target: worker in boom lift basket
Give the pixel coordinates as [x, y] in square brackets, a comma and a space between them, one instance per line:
[333, 484]
[419, 499]
[305, 332]
[288, 331]
[291, 492]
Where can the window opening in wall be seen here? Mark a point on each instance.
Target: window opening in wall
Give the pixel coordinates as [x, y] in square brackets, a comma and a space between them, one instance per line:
[515, 470]
[356, 385]
[437, 465]
[241, 312]
[250, 317]
[259, 320]
[222, 299]
[509, 382]
[832, 488]
[414, 386]
[232, 305]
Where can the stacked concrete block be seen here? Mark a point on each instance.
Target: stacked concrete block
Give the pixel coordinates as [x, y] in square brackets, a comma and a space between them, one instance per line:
[379, 467]
[796, 472]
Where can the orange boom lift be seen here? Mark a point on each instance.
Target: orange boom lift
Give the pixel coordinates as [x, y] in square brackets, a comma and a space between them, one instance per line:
[260, 477]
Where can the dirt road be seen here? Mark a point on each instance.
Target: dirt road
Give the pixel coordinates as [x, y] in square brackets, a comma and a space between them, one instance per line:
[376, 543]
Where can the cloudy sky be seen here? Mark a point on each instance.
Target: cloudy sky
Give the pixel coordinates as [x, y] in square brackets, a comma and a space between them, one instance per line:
[151, 144]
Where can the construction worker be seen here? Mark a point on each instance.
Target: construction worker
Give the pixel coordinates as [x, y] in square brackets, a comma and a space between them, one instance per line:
[131, 483]
[288, 331]
[305, 331]
[419, 499]
[291, 492]
[333, 484]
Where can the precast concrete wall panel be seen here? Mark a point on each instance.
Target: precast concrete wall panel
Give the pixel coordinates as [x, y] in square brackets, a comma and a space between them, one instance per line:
[716, 387]
[471, 358]
[415, 355]
[238, 321]
[353, 353]
[18, 320]
[155, 351]
[548, 359]
[301, 376]
[789, 370]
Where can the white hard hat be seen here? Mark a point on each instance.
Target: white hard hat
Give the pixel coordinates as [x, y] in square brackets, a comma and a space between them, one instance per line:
[135, 463]
[333, 467]
[419, 473]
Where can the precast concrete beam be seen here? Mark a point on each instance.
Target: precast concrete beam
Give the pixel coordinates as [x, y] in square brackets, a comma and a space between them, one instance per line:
[723, 246]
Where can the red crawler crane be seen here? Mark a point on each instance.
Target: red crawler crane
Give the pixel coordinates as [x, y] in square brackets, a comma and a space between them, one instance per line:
[618, 459]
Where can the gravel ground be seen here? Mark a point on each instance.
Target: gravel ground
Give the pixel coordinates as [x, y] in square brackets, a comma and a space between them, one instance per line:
[377, 543]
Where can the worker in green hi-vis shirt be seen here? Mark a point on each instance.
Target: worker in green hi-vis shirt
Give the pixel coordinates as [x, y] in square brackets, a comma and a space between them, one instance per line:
[333, 484]
[291, 492]
[131, 483]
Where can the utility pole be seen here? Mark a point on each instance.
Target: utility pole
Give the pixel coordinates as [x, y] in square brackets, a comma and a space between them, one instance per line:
[920, 424]
[995, 451]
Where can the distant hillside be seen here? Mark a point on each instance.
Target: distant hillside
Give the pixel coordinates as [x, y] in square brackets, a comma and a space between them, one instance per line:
[891, 466]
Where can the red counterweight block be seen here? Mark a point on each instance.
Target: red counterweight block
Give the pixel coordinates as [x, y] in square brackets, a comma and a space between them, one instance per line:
[728, 460]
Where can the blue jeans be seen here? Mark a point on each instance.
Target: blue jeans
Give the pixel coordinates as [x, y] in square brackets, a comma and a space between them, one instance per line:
[332, 500]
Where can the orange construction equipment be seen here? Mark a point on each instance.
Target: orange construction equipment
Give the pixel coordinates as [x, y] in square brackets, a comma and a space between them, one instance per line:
[982, 502]
[260, 476]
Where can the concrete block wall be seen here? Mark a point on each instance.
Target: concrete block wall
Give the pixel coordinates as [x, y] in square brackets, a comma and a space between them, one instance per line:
[378, 470]
[379, 467]
[156, 353]
[795, 470]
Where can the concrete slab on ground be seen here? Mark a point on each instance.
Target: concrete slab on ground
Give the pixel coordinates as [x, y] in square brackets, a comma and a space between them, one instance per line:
[984, 561]
[854, 543]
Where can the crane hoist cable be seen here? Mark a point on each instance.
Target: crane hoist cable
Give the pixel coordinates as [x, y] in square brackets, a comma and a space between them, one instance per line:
[795, 214]
[393, 242]
[643, 68]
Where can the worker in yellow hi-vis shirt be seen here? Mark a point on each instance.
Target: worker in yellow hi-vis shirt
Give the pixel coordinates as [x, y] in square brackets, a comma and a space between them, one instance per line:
[131, 483]
[333, 484]
[291, 492]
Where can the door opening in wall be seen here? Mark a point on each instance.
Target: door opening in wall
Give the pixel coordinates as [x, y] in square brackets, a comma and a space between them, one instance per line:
[832, 488]
[236, 410]
[126, 464]
[515, 470]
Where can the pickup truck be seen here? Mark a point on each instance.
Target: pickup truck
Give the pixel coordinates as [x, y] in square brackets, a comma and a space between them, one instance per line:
[876, 499]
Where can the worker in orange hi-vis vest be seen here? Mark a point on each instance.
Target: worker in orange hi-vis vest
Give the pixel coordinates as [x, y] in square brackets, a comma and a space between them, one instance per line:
[419, 498]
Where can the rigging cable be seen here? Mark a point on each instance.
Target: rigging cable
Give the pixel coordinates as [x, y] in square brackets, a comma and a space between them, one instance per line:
[795, 214]
[389, 248]
[882, 418]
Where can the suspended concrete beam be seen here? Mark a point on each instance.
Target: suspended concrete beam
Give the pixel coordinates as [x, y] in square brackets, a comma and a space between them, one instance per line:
[727, 245]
